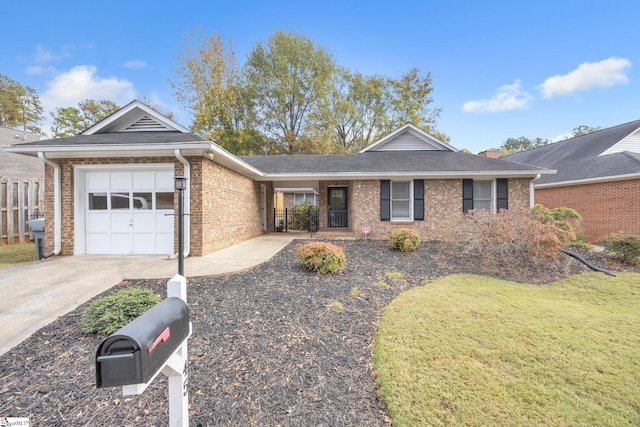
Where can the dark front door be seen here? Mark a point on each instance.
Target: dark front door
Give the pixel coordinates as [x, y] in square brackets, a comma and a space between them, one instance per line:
[337, 207]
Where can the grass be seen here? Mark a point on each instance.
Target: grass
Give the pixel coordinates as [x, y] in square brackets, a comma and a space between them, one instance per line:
[469, 350]
[393, 275]
[337, 306]
[20, 253]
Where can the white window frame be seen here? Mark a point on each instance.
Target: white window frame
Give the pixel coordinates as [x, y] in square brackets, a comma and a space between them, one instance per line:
[492, 200]
[306, 198]
[391, 199]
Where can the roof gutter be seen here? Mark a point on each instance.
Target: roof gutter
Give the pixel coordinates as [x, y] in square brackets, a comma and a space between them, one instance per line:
[187, 202]
[532, 189]
[57, 205]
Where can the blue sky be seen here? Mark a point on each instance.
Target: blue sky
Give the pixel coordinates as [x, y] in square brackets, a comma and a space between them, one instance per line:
[500, 69]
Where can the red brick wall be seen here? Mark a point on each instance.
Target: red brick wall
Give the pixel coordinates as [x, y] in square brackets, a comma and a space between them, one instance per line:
[606, 207]
[442, 210]
[229, 210]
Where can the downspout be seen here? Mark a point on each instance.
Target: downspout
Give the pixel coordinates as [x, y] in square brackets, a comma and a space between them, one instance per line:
[532, 191]
[187, 202]
[57, 205]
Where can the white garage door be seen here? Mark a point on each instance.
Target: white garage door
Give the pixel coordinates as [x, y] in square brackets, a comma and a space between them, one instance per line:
[129, 212]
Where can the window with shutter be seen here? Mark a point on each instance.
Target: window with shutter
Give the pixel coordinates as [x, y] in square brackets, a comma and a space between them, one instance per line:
[385, 200]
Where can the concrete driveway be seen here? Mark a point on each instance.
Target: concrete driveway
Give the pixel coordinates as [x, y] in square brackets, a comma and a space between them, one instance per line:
[35, 294]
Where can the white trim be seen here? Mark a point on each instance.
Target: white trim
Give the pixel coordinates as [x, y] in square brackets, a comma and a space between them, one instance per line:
[187, 203]
[404, 175]
[493, 201]
[296, 190]
[532, 191]
[57, 203]
[129, 109]
[416, 131]
[591, 180]
[411, 201]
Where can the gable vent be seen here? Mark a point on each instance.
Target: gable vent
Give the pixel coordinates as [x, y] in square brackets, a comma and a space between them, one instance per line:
[146, 123]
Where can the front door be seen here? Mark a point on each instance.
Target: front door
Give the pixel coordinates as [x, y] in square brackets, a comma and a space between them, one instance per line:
[337, 208]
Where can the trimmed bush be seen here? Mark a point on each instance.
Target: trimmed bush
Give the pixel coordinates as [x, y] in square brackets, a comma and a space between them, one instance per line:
[108, 314]
[322, 257]
[625, 247]
[403, 240]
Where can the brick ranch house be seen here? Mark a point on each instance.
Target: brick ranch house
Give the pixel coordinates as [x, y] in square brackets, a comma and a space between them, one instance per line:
[598, 174]
[110, 190]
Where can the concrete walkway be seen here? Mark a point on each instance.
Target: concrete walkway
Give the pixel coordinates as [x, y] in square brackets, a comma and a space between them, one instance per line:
[35, 294]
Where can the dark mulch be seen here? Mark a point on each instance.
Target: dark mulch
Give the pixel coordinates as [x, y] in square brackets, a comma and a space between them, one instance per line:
[267, 347]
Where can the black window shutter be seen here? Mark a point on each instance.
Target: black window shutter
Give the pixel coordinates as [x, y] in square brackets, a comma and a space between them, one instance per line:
[418, 199]
[467, 194]
[502, 185]
[385, 200]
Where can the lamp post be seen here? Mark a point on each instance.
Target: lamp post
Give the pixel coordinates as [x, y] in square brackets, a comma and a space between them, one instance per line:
[181, 185]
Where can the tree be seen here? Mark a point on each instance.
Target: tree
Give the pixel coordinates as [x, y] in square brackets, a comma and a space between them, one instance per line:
[19, 105]
[209, 83]
[94, 111]
[289, 81]
[291, 97]
[358, 106]
[582, 130]
[153, 103]
[513, 145]
[410, 97]
[69, 121]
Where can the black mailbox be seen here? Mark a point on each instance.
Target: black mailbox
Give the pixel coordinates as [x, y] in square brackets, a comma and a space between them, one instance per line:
[138, 350]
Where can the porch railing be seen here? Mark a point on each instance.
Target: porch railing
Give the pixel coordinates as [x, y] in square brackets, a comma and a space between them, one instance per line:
[310, 219]
[296, 219]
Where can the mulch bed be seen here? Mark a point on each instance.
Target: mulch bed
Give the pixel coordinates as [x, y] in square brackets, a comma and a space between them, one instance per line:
[267, 346]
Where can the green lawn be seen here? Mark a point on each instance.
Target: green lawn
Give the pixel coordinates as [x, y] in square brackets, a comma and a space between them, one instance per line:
[11, 255]
[470, 350]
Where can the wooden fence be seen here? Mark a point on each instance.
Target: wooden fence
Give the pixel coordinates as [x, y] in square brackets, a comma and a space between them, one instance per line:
[20, 201]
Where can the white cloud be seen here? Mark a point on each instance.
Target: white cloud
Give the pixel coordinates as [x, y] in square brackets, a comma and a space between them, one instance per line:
[42, 56]
[82, 82]
[587, 76]
[135, 64]
[509, 97]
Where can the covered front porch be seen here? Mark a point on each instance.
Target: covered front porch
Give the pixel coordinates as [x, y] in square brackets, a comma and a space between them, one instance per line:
[313, 206]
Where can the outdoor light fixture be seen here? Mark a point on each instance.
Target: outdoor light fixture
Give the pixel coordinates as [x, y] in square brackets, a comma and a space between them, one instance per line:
[181, 185]
[181, 182]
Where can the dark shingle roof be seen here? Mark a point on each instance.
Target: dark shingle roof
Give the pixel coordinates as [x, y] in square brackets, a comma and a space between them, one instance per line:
[410, 162]
[119, 138]
[579, 158]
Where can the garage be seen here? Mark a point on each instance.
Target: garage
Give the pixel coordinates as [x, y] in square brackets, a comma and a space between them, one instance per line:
[128, 210]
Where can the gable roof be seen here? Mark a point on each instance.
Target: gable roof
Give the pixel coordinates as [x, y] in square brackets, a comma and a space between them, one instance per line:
[408, 138]
[598, 156]
[133, 117]
[134, 130]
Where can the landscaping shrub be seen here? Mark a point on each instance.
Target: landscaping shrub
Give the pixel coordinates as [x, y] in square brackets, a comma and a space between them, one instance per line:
[512, 233]
[403, 240]
[108, 314]
[322, 257]
[625, 247]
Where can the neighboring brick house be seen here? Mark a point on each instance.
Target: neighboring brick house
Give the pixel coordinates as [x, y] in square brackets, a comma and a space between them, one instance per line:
[15, 166]
[111, 189]
[598, 174]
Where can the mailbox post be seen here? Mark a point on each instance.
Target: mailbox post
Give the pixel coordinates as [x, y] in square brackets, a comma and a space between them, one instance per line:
[154, 342]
